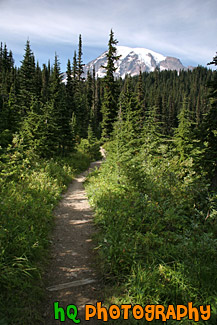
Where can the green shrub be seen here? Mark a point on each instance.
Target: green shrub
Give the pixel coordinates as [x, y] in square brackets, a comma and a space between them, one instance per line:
[156, 242]
[90, 148]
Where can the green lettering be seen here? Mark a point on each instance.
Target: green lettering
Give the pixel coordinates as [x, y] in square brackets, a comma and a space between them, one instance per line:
[73, 315]
[59, 311]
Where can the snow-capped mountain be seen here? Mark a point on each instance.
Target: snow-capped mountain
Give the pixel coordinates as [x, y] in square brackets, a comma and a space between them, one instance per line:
[133, 60]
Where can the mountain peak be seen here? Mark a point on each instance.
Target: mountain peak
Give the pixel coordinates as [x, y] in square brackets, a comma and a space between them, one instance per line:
[133, 60]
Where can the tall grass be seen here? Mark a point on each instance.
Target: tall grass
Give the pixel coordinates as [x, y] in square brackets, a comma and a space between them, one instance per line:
[156, 244]
[29, 190]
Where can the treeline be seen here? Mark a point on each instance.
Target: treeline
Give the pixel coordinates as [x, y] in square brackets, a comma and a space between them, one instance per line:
[50, 114]
[47, 113]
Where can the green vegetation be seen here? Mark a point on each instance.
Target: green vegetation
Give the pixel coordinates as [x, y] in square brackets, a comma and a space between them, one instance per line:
[157, 229]
[30, 189]
[156, 207]
[155, 196]
[42, 122]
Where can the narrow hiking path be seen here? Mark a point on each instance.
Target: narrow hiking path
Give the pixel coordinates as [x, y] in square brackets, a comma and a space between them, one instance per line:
[71, 278]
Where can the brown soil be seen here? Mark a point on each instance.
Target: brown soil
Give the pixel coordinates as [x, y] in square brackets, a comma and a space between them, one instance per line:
[72, 255]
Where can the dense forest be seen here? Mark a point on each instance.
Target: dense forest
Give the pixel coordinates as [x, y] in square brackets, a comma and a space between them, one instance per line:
[155, 195]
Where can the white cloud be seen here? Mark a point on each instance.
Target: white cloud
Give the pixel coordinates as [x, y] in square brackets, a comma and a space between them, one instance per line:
[184, 28]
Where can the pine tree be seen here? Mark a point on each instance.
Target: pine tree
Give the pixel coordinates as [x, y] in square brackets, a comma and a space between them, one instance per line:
[80, 98]
[75, 67]
[38, 81]
[140, 91]
[130, 113]
[40, 129]
[27, 79]
[69, 75]
[89, 100]
[140, 98]
[1, 57]
[45, 83]
[127, 132]
[89, 90]
[183, 134]
[93, 101]
[109, 105]
[13, 110]
[6, 73]
[8, 111]
[61, 116]
[81, 112]
[209, 131]
[80, 70]
[97, 105]
[69, 90]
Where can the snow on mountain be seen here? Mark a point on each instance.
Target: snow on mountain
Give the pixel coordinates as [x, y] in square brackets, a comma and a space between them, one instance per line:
[133, 60]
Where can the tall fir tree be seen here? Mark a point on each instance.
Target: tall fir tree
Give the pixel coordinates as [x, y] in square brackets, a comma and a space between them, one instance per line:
[8, 109]
[209, 130]
[61, 115]
[69, 90]
[75, 67]
[80, 98]
[183, 134]
[130, 113]
[80, 70]
[90, 97]
[38, 81]
[109, 105]
[45, 83]
[27, 79]
[1, 57]
[94, 102]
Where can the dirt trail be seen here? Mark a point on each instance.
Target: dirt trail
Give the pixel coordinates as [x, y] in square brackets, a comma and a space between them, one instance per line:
[72, 255]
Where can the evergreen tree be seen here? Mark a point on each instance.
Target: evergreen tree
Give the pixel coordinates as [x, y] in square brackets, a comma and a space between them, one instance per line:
[27, 79]
[6, 73]
[183, 134]
[74, 75]
[80, 70]
[40, 130]
[1, 57]
[140, 94]
[32, 131]
[81, 111]
[80, 98]
[89, 90]
[94, 104]
[109, 105]
[38, 81]
[130, 112]
[14, 108]
[140, 98]
[209, 131]
[69, 76]
[45, 83]
[61, 115]
[69, 90]
[97, 105]
[8, 111]
[75, 67]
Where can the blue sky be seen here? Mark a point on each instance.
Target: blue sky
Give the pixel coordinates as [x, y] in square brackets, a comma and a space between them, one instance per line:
[185, 29]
